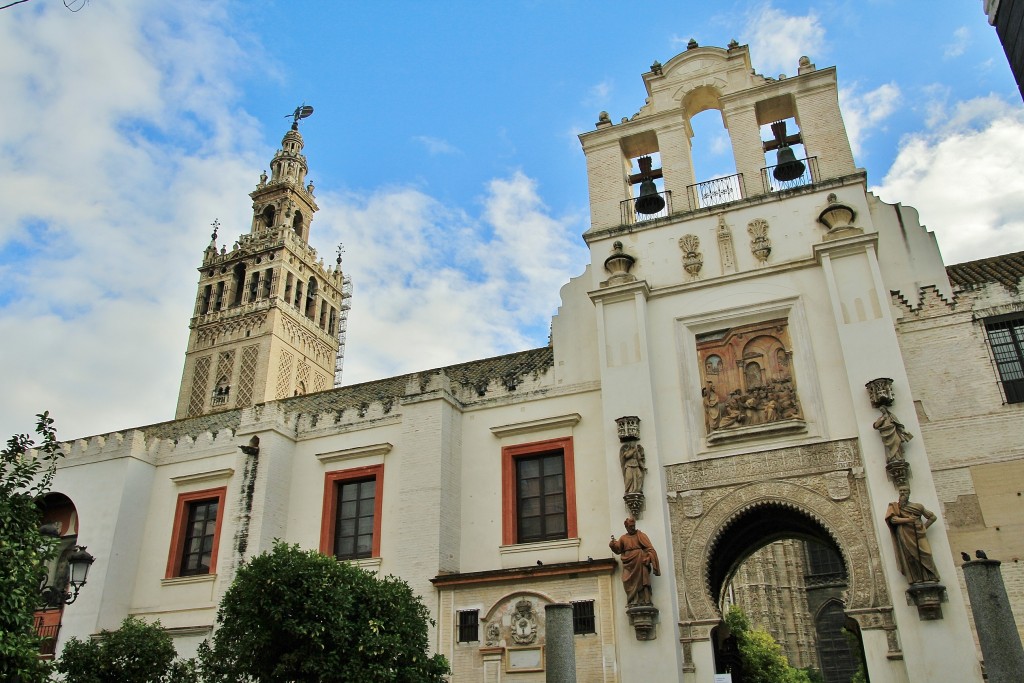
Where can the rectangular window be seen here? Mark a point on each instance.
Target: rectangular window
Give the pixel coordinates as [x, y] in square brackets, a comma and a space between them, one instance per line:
[540, 498]
[1006, 336]
[196, 533]
[583, 620]
[538, 492]
[350, 527]
[469, 626]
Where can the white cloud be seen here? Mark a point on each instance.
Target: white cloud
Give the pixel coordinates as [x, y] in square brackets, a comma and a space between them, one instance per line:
[965, 178]
[133, 144]
[778, 40]
[436, 145]
[862, 113]
[104, 217]
[597, 95]
[435, 286]
[961, 39]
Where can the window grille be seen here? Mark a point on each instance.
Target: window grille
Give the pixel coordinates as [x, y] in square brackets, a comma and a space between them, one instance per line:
[583, 620]
[469, 626]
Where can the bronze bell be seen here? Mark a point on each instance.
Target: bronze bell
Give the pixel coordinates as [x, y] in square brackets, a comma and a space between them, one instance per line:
[649, 200]
[788, 167]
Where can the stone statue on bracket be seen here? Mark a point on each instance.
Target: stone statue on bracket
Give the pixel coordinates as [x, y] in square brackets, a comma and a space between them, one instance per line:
[633, 462]
[893, 434]
[639, 562]
[890, 430]
[908, 523]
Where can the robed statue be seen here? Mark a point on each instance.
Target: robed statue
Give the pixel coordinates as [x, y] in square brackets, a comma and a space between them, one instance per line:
[639, 561]
[913, 552]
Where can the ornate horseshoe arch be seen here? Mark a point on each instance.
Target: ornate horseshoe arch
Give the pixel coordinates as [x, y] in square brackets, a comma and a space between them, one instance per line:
[807, 491]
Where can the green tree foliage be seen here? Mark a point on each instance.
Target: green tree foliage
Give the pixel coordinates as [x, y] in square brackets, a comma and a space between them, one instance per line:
[137, 652]
[761, 657]
[26, 472]
[294, 615]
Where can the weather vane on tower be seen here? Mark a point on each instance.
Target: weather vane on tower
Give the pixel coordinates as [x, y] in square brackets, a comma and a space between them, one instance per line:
[302, 111]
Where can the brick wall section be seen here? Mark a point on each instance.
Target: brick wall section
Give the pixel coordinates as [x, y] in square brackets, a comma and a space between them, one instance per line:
[425, 476]
[676, 163]
[606, 179]
[823, 131]
[745, 134]
[975, 443]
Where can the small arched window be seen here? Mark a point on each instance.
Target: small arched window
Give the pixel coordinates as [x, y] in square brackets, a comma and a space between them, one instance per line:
[239, 284]
[311, 291]
[297, 225]
[268, 216]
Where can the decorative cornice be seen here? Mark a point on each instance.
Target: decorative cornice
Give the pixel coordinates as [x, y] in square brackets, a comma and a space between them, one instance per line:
[376, 449]
[605, 565]
[556, 422]
[209, 475]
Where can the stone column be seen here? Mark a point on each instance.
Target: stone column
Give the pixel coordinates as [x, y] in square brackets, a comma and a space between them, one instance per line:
[561, 648]
[997, 630]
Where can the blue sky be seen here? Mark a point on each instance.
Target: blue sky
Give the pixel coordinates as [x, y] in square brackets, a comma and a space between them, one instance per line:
[444, 152]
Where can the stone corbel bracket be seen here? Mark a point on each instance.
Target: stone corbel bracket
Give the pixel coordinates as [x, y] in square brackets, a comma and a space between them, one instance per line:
[644, 620]
[928, 598]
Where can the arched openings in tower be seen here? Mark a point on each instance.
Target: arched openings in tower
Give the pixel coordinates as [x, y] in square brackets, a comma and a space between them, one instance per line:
[254, 286]
[267, 216]
[238, 283]
[645, 186]
[782, 567]
[61, 518]
[711, 152]
[204, 301]
[311, 292]
[777, 117]
[297, 225]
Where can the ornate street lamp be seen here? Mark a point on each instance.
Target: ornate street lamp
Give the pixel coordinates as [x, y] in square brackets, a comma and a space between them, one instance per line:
[79, 562]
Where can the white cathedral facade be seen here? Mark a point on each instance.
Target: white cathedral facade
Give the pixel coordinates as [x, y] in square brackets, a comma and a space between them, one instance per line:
[707, 374]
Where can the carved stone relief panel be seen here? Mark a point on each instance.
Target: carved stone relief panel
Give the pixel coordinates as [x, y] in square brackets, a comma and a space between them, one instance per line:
[747, 379]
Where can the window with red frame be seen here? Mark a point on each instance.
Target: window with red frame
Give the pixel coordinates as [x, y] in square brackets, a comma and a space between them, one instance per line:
[538, 492]
[350, 526]
[196, 535]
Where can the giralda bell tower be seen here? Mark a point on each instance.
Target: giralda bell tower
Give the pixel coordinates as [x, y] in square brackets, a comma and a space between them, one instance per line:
[268, 312]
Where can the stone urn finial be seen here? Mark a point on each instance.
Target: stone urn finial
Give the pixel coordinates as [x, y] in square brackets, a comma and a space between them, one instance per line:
[619, 265]
[838, 218]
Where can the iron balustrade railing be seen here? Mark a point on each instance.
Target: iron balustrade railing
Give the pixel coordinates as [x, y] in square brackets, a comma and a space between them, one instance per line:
[630, 215]
[715, 191]
[808, 177]
[48, 638]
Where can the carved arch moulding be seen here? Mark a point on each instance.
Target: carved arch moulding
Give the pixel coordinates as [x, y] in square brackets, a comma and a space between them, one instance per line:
[733, 487]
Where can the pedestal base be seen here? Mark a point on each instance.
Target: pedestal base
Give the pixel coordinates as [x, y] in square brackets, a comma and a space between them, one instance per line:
[635, 504]
[643, 619]
[928, 598]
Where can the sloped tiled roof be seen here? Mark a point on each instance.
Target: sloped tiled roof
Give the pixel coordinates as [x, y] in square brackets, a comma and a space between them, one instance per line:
[1007, 270]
